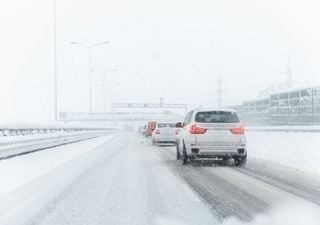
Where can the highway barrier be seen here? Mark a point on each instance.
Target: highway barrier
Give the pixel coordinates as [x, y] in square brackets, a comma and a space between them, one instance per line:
[44, 138]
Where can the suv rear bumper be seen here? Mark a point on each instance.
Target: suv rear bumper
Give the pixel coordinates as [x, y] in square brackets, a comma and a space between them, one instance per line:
[197, 152]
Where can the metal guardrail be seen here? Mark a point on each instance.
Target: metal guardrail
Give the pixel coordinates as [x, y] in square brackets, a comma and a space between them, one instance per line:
[12, 148]
[12, 131]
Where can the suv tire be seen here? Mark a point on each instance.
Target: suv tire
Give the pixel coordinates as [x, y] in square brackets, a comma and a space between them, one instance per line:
[184, 157]
[240, 161]
[178, 153]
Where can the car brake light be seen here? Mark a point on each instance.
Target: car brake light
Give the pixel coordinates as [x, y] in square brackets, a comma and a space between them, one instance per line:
[238, 130]
[197, 130]
[157, 132]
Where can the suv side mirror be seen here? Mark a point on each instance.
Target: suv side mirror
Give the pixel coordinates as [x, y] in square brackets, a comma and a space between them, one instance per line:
[179, 125]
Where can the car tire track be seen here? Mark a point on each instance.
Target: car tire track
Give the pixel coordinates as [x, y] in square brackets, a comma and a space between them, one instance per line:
[225, 199]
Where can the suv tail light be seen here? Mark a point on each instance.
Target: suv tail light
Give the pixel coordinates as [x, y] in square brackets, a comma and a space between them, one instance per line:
[157, 132]
[238, 130]
[197, 130]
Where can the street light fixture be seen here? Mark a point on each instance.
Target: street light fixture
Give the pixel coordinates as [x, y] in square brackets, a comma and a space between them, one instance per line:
[89, 48]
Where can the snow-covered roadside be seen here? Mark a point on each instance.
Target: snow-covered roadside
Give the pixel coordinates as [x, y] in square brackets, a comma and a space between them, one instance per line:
[293, 213]
[18, 171]
[311, 128]
[298, 150]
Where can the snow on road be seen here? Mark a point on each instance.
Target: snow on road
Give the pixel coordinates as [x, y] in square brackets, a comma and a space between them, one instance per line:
[120, 182]
[299, 150]
[123, 179]
[293, 213]
[260, 193]
[18, 171]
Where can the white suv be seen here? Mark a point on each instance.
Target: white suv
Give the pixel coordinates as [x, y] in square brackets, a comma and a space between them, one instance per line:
[212, 134]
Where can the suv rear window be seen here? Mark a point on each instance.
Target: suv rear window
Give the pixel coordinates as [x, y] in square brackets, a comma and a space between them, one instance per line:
[162, 125]
[217, 117]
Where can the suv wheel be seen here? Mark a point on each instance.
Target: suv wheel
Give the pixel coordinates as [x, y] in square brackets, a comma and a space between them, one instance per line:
[178, 153]
[240, 161]
[184, 157]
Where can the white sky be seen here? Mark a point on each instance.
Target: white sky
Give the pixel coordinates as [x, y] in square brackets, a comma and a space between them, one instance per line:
[164, 48]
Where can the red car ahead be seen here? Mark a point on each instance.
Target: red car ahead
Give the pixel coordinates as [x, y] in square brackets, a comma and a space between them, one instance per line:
[150, 127]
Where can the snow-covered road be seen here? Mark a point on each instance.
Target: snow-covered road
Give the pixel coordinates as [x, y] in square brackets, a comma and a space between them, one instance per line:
[123, 179]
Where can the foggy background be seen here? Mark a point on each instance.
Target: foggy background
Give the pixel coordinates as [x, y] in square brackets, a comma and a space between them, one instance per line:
[167, 48]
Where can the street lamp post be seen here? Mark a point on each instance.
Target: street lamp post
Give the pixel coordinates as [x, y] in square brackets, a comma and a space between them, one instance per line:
[90, 47]
[55, 72]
